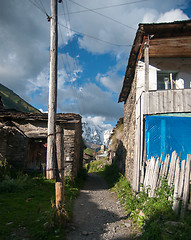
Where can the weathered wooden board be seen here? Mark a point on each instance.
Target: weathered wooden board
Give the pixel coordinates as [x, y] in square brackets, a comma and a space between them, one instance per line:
[172, 169]
[176, 184]
[186, 191]
[167, 101]
[182, 174]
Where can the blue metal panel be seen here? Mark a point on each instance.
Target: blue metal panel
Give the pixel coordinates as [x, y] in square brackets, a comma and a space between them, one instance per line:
[164, 134]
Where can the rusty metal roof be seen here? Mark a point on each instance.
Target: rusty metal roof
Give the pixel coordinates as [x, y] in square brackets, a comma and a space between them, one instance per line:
[167, 40]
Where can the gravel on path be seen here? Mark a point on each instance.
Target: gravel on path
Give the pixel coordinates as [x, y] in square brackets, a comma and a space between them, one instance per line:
[97, 214]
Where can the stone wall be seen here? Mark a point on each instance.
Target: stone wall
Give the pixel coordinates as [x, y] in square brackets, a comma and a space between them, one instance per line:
[129, 131]
[13, 146]
[73, 150]
[116, 149]
[23, 144]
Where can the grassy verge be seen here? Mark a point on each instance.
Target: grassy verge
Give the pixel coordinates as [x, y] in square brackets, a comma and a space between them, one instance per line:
[27, 207]
[153, 216]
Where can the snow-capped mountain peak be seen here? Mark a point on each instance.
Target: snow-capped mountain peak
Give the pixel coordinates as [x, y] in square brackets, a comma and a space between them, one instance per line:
[95, 131]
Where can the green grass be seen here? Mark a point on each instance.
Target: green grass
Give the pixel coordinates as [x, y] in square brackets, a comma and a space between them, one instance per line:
[89, 151]
[28, 210]
[12, 101]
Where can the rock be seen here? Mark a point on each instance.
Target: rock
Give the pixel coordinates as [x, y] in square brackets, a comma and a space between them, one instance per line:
[128, 225]
[46, 225]
[138, 235]
[9, 223]
[85, 233]
[73, 228]
[173, 223]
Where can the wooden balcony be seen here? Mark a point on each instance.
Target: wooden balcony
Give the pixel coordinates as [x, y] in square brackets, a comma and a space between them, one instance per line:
[166, 101]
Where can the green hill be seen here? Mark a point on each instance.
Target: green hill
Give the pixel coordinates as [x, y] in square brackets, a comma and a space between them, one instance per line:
[12, 101]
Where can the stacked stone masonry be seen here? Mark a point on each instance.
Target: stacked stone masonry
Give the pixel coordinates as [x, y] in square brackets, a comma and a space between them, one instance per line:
[23, 142]
[129, 131]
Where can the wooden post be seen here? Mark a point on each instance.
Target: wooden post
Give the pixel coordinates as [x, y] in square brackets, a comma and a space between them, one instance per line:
[50, 165]
[146, 60]
[171, 81]
[59, 186]
[155, 177]
[60, 152]
[186, 192]
[172, 169]
[181, 182]
[176, 184]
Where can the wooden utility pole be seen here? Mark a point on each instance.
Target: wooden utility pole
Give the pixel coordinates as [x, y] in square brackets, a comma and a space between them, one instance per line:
[146, 60]
[59, 185]
[51, 153]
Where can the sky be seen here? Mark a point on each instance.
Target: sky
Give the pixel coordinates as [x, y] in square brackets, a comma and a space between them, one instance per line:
[95, 39]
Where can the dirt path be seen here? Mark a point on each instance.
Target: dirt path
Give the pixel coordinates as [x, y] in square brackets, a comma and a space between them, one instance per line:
[97, 214]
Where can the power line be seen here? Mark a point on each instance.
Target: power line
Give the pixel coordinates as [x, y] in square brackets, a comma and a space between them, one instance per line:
[42, 6]
[116, 21]
[71, 69]
[39, 6]
[106, 7]
[101, 40]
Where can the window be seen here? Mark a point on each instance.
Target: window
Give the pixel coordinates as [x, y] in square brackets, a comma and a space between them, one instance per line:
[166, 80]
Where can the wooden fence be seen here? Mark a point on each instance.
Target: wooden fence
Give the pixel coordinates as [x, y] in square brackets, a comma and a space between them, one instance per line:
[177, 174]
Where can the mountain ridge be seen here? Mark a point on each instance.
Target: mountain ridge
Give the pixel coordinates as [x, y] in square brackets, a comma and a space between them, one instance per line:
[13, 101]
[95, 133]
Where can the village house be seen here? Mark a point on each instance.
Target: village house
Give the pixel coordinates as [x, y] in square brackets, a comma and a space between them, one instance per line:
[156, 93]
[23, 140]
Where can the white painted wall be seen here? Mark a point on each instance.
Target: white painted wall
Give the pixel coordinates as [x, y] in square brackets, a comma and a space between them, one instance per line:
[140, 73]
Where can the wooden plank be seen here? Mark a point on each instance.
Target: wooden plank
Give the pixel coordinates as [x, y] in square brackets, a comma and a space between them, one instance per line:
[166, 166]
[167, 101]
[186, 191]
[160, 174]
[142, 175]
[172, 169]
[146, 173]
[181, 181]
[176, 184]
[151, 174]
[155, 177]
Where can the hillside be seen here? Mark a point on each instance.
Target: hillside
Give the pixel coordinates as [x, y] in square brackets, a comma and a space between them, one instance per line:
[12, 101]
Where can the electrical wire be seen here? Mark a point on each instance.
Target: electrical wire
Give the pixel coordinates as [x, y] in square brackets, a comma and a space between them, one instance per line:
[73, 49]
[98, 39]
[39, 6]
[42, 6]
[106, 7]
[71, 69]
[112, 19]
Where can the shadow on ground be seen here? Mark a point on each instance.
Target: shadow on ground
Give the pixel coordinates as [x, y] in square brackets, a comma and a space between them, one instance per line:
[97, 214]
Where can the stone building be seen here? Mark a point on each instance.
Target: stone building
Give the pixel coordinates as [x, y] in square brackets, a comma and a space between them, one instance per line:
[159, 60]
[23, 140]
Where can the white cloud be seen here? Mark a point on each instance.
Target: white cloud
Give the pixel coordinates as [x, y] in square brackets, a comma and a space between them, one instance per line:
[24, 50]
[172, 15]
[111, 81]
[97, 120]
[95, 24]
